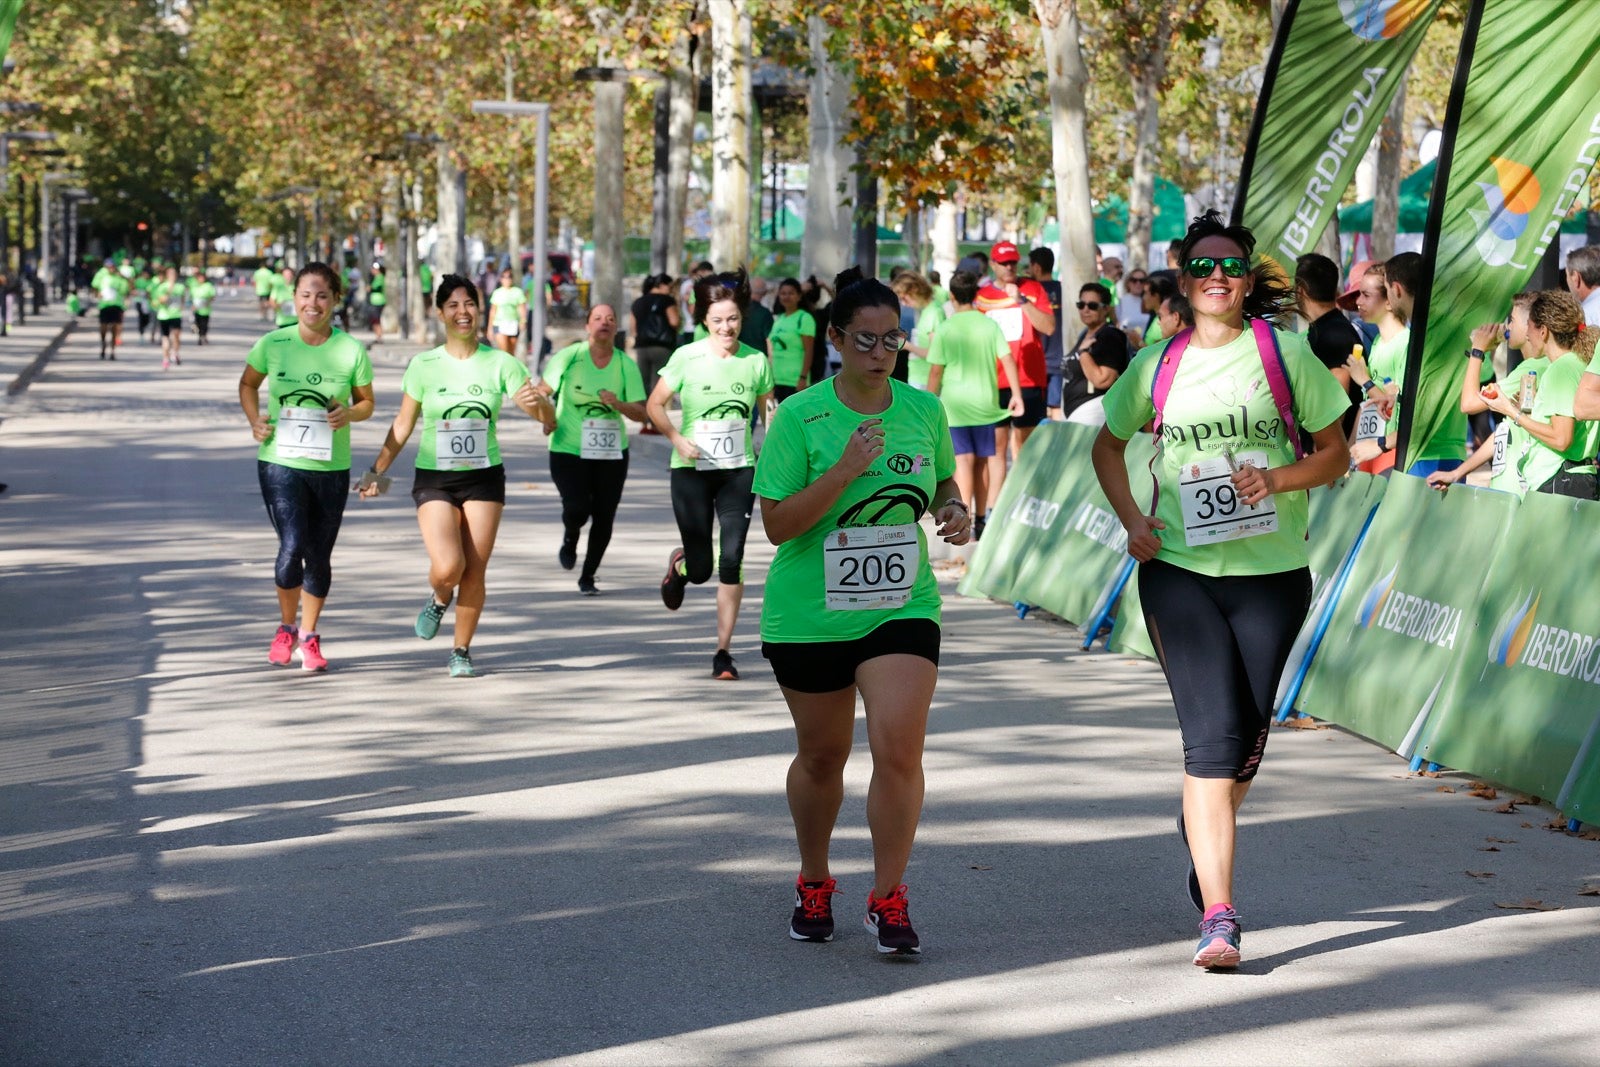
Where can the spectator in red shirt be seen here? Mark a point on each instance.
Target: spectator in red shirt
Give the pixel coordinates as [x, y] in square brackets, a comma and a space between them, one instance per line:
[1023, 311]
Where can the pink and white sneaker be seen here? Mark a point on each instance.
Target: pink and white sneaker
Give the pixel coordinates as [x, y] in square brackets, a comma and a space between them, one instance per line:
[311, 657]
[283, 646]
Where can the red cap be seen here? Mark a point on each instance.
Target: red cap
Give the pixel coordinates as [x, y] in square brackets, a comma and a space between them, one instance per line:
[1347, 299]
[1004, 252]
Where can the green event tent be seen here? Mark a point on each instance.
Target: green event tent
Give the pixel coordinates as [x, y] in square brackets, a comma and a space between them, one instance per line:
[1111, 218]
[793, 227]
[1416, 190]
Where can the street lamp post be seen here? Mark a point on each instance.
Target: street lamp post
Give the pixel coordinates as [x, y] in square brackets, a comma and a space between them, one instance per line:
[541, 208]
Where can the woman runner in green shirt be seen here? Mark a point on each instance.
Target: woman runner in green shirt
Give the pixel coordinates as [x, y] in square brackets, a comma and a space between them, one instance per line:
[1223, 572]
[790, 344]
[848, 469]
[506, 305]
[319, 381]
[169, 295]
[595, 384]
[456, 390]
[721, 384]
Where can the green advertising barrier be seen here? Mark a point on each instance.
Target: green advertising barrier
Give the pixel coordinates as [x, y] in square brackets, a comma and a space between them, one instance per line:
[1129, 635]
[1053, 541]
[1526, 691]
[1407, 612]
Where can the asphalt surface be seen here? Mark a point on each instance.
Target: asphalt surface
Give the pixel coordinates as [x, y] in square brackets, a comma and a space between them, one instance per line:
[584, 855]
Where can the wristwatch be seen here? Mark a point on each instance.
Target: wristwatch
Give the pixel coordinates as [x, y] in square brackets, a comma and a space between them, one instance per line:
[1474, 353]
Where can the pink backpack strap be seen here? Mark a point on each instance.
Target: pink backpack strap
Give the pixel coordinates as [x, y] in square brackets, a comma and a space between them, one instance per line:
[1166, 370]
[1277, 380]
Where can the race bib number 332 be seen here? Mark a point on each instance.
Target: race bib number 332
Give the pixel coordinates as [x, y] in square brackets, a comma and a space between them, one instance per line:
[870, 567]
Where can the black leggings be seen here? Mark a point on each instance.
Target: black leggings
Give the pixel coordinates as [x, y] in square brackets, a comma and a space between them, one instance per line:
[697, 497]
[590, 491]
[1223, 643]
[306, 508]
[202, 325]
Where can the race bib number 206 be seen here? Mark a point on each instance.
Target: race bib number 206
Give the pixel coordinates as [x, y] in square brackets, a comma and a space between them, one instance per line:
[870, 567]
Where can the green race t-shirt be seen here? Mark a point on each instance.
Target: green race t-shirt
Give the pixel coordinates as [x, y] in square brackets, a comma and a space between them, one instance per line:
[457, 390]
[788, 345]
[282, 294]
[1152, 330]
[578, 382]
[1509, 480]
[1388, 360]
[168, 298]
[425, 277]
[507, 303]
[110, 288]
[714, 388]
[309, 376]
[1220, 399]
[375, 293]
[1555, 394]
[928, 320]
[966, 346]
[203, 294]
[808, 435]
[263, 278]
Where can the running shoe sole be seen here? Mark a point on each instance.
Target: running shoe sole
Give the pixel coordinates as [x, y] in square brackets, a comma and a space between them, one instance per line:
[888, 950]
[1217, 956]
[672, 585]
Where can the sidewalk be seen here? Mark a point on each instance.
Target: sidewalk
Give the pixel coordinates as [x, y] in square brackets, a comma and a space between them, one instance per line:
[22, 346]
[585, 855]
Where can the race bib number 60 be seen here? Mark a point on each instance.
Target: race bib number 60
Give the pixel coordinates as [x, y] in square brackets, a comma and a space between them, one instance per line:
[870, 567]
[462, 444]
[1212, 510]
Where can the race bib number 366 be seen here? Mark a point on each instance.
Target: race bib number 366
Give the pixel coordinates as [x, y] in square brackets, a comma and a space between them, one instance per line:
[1369, 424]
[870, 567]
[461, 444]
[1212, 510]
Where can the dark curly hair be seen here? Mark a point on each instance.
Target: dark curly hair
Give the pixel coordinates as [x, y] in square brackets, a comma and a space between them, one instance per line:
[854, 291]
[1272, 295]
[713, 288]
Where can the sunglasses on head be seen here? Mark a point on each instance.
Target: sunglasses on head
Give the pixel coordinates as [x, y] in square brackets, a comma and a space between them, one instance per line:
[1202, 266]
[1090, 305]
[865, 341]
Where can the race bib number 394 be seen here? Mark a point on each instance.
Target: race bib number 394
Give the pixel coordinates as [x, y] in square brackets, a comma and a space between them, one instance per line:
[304, 433]
[461, 444]
[870, 567]
[1212, 510]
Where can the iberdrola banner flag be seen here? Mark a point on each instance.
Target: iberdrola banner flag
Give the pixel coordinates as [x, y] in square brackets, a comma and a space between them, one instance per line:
[1522, 132]
[1334, 68]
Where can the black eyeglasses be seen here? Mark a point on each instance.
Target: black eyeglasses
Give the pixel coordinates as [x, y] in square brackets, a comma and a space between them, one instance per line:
[864, 341]
[1137, 278]
[1090, 305]
[1232, 266]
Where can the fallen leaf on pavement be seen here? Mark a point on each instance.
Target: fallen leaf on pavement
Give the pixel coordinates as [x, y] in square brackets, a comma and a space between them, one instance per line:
[1306, 724]
[1507, 808]
[1484, 791]
[1488, 848]
[1480, 874]
[1443, 789]
[1527, 826]
[1502, 840]
[1526, 905]
[1590, 890]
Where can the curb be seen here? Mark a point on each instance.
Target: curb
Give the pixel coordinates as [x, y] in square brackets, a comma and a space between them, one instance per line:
[26, 376]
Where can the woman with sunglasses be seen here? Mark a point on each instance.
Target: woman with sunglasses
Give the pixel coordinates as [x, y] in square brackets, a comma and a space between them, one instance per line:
[1223, 576]
[1096, 361]
[1130, 305]
[851, 603]
[721, 384]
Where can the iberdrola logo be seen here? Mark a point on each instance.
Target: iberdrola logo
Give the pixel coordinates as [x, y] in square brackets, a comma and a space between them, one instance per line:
[1379, 20]
[1511, 636]
[1372, 603]
[1508, 202]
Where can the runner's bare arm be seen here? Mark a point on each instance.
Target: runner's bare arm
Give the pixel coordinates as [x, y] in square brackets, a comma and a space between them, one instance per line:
[405, 421]
[1111, 468]
[250, 401]
[792, 516]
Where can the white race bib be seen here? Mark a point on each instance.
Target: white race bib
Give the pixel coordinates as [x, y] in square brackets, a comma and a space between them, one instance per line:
[870, 567]
[721, 444]
[1502, 443]
[1369, 424]
[1010, 322]
[1212, 510]
[460, 443]
[110, 294]
[600, 439]
[304, 433]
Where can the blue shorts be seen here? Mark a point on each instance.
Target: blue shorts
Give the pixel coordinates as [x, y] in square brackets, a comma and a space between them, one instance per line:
[973, 439]
[1424, 467]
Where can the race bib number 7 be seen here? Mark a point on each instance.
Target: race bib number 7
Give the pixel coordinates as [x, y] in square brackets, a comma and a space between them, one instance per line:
[304, 433]
[1212, 510]
[870, 567]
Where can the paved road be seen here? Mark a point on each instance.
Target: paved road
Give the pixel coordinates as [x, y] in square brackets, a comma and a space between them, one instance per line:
[584, 856]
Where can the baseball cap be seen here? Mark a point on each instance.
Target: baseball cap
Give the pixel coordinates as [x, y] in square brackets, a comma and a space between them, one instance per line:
[1347, 299]
[1004, 252]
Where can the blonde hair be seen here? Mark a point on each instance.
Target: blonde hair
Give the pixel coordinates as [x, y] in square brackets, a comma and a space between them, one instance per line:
[909, 284]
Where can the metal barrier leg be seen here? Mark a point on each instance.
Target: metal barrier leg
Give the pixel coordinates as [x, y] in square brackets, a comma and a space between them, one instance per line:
[1108, 603]
[1022, 609]
[1340, 580]
[1574, 825]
